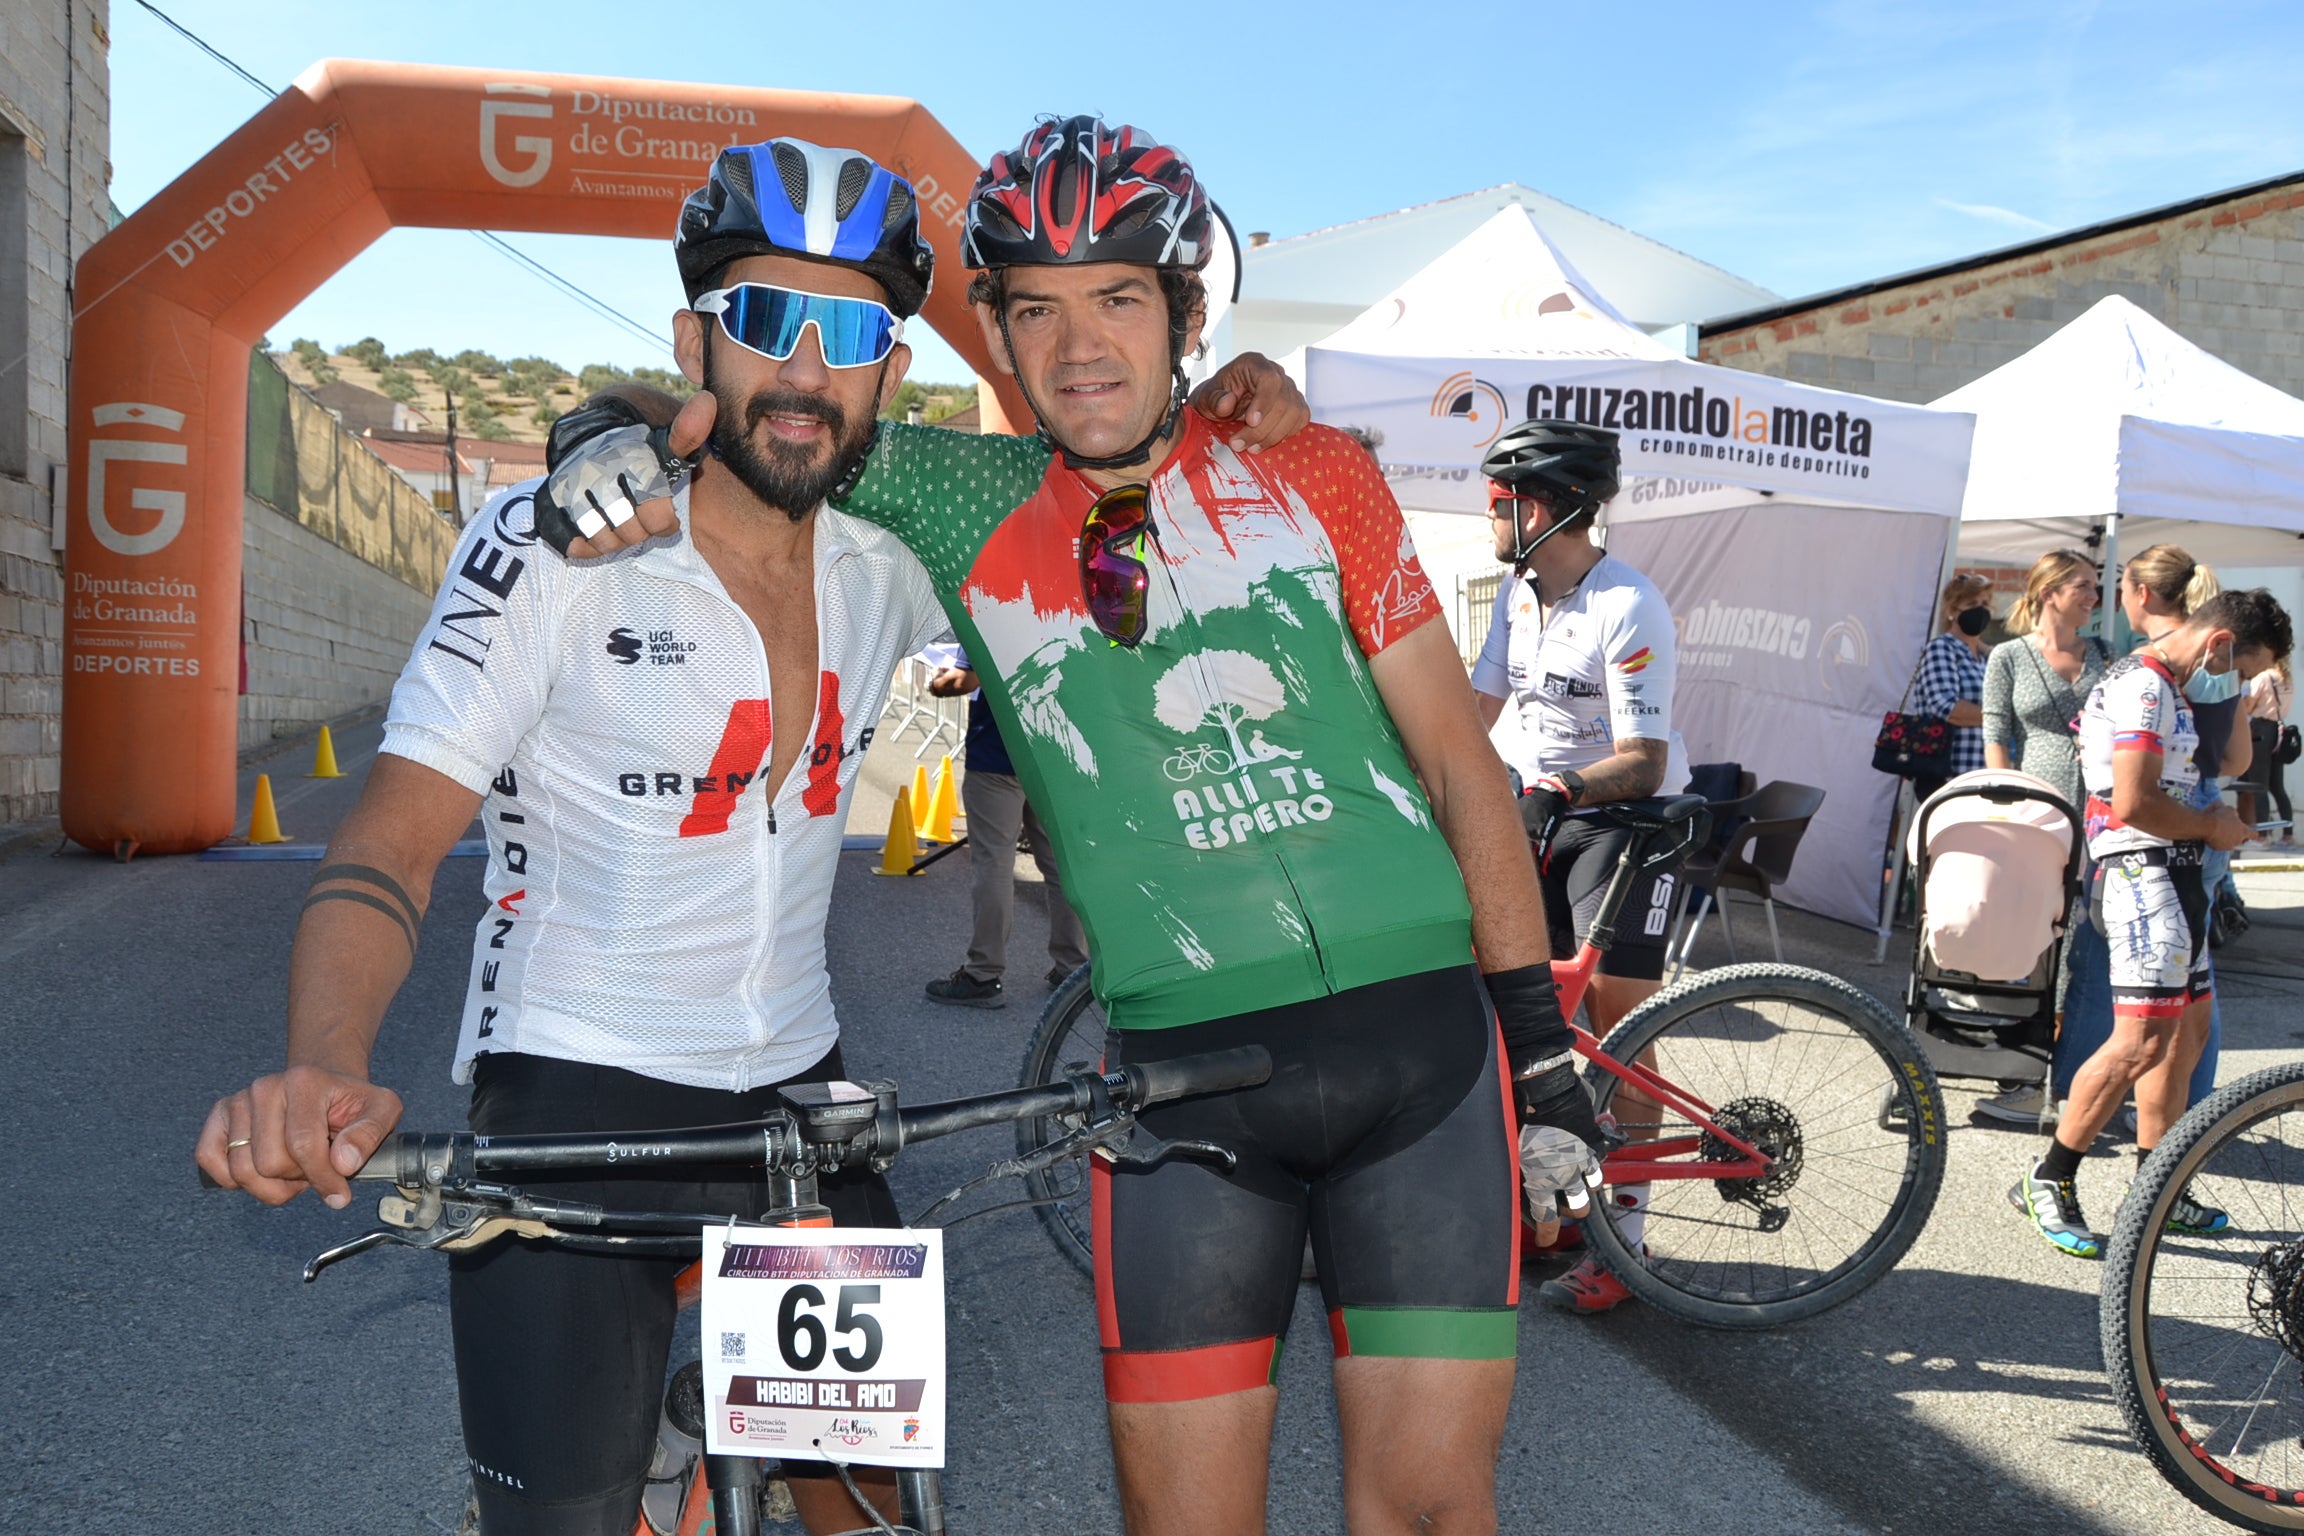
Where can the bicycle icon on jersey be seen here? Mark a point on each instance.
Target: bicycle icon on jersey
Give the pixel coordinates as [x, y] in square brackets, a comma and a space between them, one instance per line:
[1188, 763]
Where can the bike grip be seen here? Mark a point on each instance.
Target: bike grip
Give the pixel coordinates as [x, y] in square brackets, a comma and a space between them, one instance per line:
[1243, 1066]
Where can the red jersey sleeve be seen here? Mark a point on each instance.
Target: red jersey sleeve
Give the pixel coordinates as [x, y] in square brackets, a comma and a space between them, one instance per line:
[1386, 593]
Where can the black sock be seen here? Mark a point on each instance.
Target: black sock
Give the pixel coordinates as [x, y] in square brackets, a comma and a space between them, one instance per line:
[2143, 1153]
[2060, 1165]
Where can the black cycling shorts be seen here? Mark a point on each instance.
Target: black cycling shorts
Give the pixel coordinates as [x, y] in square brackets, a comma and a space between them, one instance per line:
[1576, 876]
[1385, 1130]
[560, 1355]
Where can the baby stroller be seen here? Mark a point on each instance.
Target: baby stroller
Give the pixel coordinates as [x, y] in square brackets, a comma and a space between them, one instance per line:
[1998, 856]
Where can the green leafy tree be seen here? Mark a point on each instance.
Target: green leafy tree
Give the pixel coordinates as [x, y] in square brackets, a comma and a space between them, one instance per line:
[672, 383]
[368, 352]
[544, 415]
[396, 384]
[477, 362]
[323, 374]
[598, 376]
[452, 378]
[422, 360]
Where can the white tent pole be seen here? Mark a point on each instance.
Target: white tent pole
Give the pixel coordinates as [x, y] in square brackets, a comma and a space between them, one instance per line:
[2108, 589]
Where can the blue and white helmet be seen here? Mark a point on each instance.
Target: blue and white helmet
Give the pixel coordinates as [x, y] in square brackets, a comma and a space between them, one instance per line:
[788, 197]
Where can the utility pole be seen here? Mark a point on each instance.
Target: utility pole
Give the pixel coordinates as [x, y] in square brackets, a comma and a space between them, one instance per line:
[455, 492]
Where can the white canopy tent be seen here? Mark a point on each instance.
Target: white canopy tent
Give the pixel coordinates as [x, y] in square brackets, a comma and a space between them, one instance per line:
[1798, 533]
[2118, 424]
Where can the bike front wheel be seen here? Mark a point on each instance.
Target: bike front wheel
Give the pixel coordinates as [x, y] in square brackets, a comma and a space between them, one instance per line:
[1070, 1033]
[1798, 1064]
[2203, 1333]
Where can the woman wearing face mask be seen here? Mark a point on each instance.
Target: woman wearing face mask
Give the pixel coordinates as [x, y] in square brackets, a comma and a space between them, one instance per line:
[2034, 686]
[1950, 682]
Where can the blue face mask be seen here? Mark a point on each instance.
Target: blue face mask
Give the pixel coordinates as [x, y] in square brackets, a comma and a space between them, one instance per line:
[2206, 687]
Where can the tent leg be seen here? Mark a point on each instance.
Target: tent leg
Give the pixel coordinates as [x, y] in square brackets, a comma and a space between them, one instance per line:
[2108, 597]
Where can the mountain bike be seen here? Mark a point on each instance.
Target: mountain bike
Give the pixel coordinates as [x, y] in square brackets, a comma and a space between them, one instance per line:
[446, 1198]
[2203, 1334]
[1788, 1129]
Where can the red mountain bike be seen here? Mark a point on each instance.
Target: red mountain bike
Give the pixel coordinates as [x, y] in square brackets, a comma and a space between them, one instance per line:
[1788, 1130]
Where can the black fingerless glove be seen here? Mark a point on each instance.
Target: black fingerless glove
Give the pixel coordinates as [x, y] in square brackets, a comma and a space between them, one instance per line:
[1535, 1035]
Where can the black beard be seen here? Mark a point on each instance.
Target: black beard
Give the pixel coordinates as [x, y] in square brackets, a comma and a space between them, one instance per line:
[779, 474]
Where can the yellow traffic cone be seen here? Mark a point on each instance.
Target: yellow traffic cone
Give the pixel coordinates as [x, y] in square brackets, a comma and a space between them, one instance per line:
[943, 803]
[324, 760]
[264, 821]
[921, 801]
[898, 852]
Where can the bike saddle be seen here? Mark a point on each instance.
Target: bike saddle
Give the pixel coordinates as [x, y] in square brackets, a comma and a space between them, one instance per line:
[1654, 813]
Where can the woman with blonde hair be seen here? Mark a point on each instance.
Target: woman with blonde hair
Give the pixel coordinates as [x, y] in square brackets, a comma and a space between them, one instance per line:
[2034, 685]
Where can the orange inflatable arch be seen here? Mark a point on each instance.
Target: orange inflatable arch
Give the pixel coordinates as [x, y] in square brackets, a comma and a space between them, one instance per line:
[173, 299]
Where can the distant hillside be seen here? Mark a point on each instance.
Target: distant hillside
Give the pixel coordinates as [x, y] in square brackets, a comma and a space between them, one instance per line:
[518, 400]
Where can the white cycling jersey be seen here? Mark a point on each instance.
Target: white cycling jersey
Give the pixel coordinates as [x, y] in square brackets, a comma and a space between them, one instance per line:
[2138, 707]
[651, 907]
[1596, 669]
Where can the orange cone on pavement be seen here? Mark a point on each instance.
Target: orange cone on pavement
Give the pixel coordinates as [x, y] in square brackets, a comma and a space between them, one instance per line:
[901, 848]
[920, 801]
[264, 821]
[324, 760]
[943, 803]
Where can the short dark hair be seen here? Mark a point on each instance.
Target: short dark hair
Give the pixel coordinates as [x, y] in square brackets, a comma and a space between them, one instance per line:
[1186, 295]
[2254, 617]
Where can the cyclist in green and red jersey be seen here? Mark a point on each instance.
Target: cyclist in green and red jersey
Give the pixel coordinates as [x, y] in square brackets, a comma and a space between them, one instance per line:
[1280, 821]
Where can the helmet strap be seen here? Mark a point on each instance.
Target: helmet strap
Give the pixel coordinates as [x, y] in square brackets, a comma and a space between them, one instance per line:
[1524, 548]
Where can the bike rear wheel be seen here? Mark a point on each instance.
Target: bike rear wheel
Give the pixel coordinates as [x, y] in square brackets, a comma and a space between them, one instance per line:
[1070, 1033]
[2204, 1333]
[1793, 1061]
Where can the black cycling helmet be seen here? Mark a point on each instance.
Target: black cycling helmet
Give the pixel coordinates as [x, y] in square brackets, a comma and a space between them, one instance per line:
[789, 197]
[1567, 466]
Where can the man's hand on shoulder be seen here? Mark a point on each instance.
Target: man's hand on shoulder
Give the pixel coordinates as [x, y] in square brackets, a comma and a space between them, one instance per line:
[611, 479]
[307, 1127]
[1254, 391]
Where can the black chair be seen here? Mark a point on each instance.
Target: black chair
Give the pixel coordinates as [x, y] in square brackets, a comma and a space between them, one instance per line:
[1755, 860]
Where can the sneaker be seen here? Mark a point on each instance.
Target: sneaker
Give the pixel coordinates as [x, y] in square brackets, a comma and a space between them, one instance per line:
[2054, 1210]
[2190, 1216]
[962, 990]
[1056, 975]
[2021, 1105]
[1588, 1288]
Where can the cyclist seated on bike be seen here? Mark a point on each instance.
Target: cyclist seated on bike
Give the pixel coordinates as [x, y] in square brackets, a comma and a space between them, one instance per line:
[1220, 680]
[1575, 683]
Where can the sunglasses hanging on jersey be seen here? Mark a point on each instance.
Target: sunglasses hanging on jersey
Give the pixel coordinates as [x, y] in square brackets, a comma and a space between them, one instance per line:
[766, 319]
[1114, 576]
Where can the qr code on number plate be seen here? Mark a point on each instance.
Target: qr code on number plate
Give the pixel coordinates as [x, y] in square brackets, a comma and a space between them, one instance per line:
[732, 1346]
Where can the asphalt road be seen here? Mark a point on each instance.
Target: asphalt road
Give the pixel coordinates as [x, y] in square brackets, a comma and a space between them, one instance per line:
[170, 1372]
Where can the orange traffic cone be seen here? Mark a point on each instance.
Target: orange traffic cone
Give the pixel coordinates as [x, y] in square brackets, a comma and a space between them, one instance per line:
[921, 800]
[901, 848]
[324, 760]
[943, 803]
[264, 821]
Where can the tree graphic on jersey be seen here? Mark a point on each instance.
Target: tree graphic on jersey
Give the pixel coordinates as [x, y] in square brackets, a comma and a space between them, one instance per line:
[1244, 687]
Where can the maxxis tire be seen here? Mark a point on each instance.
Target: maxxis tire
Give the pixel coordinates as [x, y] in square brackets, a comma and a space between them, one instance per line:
[1902, 1063]
[2123, 1305]
[1065, 1224]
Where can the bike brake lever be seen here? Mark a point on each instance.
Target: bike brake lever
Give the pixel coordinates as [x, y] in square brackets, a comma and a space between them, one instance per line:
[343, 1251]
[1167, 1151]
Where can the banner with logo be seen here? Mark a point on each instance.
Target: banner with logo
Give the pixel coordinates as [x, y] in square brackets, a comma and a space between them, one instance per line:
[1798, 627]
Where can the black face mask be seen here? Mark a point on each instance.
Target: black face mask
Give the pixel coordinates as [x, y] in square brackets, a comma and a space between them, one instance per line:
[1974, 621]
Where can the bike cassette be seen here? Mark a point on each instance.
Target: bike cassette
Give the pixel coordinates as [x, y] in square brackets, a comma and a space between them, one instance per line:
[1772, 1130]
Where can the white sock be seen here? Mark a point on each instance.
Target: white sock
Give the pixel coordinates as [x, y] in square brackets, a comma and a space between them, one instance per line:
[1631, 1215]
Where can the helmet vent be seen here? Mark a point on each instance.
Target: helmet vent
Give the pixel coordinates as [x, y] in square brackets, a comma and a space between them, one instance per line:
[899, 205]
[855, 175]
[736, 170]
[792, 170]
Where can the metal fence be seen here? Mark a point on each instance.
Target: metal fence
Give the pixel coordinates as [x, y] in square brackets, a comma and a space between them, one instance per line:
[1475, 600]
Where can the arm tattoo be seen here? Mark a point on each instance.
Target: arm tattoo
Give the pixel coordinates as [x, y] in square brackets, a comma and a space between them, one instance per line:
[400, 908]
[1636, 771]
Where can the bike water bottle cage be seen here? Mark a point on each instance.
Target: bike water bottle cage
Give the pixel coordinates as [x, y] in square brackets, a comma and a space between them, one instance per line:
[769, 320]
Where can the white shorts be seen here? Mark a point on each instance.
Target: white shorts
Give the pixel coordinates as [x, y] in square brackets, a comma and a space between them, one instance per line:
[2152, 908]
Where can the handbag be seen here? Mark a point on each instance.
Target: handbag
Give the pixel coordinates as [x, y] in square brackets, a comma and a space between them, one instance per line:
[2289, 747]
[1913, 746]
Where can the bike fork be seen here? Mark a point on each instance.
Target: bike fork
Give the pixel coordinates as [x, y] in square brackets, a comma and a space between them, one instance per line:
[920, 1493]
[735, 1482]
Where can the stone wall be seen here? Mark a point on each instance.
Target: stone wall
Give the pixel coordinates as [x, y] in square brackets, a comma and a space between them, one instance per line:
[55, 136]
[326, 632]
[2227, 273]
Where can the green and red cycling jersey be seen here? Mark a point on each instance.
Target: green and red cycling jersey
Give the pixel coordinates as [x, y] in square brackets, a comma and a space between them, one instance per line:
[1230, 803]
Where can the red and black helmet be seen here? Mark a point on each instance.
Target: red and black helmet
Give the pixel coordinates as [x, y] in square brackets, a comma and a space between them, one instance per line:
[1077, 191]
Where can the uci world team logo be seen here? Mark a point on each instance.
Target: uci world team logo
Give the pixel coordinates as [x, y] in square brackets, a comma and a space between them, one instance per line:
[1474, 401]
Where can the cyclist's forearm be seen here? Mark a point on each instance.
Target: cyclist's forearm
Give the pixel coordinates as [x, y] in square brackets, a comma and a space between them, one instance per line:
[1477, 817]
[348, 963]
[1635, 772]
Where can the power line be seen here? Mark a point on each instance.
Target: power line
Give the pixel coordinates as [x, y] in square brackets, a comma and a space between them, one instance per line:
[568, 286]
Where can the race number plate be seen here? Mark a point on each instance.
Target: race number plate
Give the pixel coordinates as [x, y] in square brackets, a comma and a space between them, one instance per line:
[825, 1344]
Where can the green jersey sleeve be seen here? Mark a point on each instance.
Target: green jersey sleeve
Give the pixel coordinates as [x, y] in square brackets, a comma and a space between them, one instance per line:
[943, 492]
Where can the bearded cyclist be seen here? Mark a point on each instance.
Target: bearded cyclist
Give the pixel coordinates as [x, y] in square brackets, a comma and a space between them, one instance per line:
[1132, 585]
[1575, 683]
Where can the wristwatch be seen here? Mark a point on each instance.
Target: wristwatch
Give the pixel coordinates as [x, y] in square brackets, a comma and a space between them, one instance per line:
[1573, 782]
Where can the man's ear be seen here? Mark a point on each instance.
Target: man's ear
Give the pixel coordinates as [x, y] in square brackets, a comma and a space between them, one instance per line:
[1195, 322]
[688, 344]
[988, 324]
[892, 371]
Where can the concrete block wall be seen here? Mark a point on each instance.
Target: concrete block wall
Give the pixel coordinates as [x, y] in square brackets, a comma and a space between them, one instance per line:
[55, 115]
[2227, 275]
[326, 631]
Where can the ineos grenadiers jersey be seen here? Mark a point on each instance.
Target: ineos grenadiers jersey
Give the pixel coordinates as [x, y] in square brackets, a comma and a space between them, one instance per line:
[1597, 670]
[1235, 819]
[2138, 707]
[651, 906]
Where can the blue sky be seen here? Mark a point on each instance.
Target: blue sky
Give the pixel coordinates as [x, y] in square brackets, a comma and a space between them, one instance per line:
[1800, 145]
